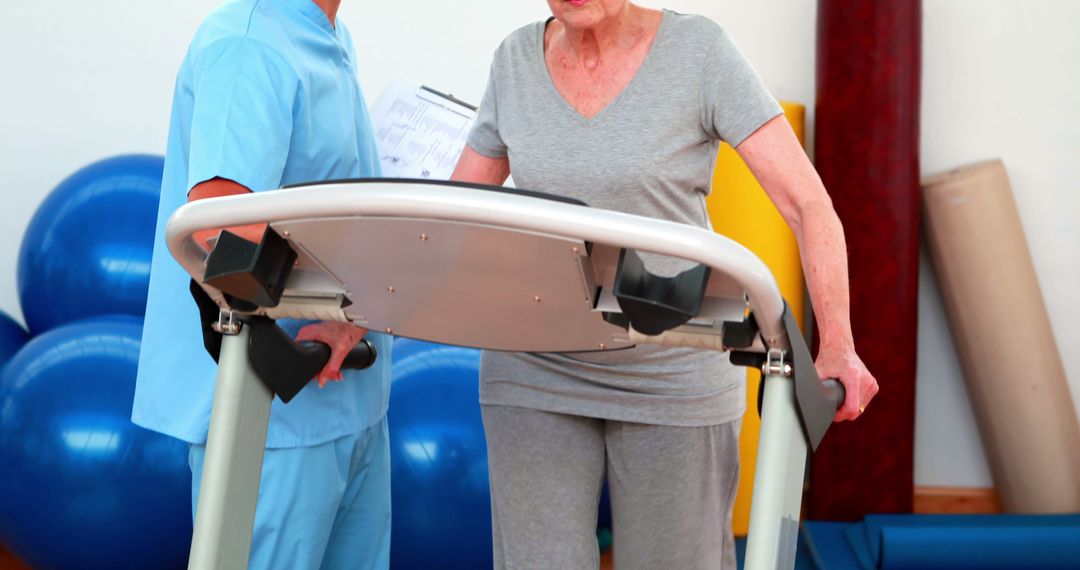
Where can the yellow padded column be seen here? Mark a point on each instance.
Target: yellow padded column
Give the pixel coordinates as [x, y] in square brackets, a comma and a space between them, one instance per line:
[739, 209]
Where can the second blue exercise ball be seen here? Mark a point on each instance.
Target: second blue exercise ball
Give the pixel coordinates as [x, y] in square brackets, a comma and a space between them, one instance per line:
[12, 337]
[87, 249]
[82, 486]
[440, 495]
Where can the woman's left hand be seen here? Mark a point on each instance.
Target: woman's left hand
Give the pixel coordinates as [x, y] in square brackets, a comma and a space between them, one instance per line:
[845, 365]
[341, 337]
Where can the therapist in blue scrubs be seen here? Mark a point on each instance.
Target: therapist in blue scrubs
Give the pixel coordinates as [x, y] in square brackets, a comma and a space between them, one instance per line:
[268, 96]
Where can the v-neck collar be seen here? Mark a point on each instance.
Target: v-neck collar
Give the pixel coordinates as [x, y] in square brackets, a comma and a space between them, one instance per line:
[313, 12]
[554, 91]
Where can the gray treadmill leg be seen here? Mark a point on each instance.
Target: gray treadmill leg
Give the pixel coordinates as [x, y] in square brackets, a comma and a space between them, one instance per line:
[778, 483]
[229, 490]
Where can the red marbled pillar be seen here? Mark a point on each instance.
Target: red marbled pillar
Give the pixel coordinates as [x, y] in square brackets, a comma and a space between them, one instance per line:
[867, 151]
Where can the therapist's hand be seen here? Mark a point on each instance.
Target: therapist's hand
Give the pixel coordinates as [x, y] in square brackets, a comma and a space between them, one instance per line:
[341, 337]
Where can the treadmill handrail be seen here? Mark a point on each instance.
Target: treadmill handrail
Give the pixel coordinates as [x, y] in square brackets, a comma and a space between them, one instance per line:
[460, 203]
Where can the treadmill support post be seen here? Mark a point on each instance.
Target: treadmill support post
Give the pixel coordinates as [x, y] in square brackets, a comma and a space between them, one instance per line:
[229, 489]
[778, 481]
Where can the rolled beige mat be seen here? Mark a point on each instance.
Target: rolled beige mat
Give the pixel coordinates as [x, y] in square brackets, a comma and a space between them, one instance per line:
[1014, 373]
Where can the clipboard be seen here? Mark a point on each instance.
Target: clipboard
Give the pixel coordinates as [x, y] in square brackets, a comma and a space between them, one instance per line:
[419, 131]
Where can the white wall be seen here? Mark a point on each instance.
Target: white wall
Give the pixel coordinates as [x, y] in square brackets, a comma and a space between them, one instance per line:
[1001, 79]
[79, 81]
[86, 80]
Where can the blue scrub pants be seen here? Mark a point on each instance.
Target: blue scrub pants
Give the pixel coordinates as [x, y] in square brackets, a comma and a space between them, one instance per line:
[325, 506]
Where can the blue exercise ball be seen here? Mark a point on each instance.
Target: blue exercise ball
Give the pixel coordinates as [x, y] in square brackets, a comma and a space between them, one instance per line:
[12, 337]
[82, 486]
[87, 249]
[440, 495]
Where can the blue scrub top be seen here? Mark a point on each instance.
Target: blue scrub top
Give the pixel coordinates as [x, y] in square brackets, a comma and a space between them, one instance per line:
[267, 96]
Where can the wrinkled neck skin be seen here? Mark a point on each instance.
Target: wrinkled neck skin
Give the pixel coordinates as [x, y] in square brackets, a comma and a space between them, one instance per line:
[591, 40]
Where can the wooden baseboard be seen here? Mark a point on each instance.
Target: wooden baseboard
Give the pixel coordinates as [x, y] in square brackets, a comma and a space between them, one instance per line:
[956, 500]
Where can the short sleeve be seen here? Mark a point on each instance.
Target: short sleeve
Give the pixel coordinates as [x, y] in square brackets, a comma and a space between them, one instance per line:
[484, 137]
[734, 100]
[242, 120]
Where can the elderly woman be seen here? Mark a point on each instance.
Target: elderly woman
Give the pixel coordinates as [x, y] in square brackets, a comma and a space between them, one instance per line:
[624, 108]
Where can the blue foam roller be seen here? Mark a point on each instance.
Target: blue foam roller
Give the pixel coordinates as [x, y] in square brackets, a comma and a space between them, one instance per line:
[826, 547]
[1011, 547]
[868, 539]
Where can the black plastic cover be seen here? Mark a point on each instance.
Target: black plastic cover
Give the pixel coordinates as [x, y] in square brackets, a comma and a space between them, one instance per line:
[747, 359]
[655, 304]
[253, 274]
[617, 319]
[740, 334]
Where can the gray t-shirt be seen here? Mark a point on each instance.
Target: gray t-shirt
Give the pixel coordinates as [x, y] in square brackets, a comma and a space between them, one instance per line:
[650, 152]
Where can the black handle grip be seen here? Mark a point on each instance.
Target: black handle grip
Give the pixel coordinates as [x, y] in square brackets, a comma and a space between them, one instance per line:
[362, 356]
[834, 391]
[286, 366]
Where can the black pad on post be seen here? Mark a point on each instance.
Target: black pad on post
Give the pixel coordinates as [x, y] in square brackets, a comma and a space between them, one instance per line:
[655, 304]
[208, 315]
[741, 334]
[248, 272]
[284, 365]
[816, 400]
[817, 404]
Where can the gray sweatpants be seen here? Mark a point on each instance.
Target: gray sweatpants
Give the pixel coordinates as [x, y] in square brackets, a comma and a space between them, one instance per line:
[672, 489]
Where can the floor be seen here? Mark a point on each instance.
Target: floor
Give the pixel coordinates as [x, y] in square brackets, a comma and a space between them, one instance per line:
[9, 562]
[608, 563]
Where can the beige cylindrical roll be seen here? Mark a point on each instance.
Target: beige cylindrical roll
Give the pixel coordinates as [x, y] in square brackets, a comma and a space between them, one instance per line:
[1013, 370]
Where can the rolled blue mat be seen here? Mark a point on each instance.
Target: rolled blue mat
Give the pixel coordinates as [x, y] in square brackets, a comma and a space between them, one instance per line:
[825, 546]
[966, 541]
[1011, 547]
[864, 547]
